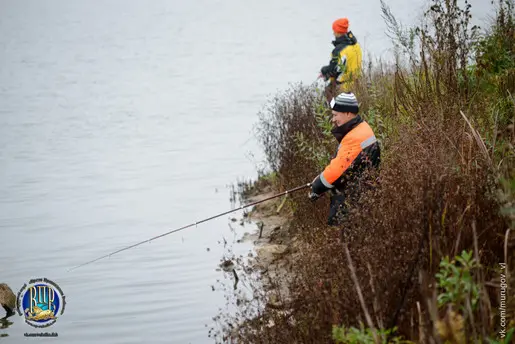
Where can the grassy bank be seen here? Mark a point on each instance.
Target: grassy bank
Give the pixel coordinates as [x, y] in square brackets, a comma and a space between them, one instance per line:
[427, 254]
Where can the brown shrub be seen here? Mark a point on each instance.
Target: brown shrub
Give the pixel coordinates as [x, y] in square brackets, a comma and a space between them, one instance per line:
[447, 143]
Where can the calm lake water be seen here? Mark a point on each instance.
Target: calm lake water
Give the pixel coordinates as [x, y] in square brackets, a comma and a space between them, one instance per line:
[120, 120]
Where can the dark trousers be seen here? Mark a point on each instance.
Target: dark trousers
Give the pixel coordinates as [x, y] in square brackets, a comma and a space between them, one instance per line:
[337, 209]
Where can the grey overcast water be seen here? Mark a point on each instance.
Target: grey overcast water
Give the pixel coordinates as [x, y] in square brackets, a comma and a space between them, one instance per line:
[120, 120]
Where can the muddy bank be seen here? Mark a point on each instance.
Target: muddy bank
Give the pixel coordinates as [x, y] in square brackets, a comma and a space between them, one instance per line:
[274, 245]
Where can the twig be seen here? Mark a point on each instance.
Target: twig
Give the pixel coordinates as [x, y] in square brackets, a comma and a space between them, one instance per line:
[456, 246]
[433, 313]
[236, 279]
[471, 316]
[261, 225]
[495, 132]
[360, 295]
[421, 336]
[476, 247]
[481, 278]
[375, 304]
[282, 204]
[478, 138]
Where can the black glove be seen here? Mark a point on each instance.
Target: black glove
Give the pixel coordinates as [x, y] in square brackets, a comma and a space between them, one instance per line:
[313, 196]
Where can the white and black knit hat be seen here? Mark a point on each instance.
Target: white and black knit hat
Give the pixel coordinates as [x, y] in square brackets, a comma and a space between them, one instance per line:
[345, 102]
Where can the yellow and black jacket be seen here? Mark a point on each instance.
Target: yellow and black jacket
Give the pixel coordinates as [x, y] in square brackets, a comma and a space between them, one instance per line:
[358, 151]
[346, 59]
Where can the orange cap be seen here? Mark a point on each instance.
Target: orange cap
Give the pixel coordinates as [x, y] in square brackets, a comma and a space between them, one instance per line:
[341, 25]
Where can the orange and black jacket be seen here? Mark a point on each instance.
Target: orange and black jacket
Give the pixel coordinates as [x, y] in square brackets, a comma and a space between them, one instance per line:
[358, 151]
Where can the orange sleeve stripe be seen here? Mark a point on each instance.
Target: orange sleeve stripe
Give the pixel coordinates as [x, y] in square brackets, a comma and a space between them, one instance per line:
[346, 154]
[350, 147]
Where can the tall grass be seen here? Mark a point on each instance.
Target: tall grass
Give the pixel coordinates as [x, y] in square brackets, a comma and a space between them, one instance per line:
[444, 114]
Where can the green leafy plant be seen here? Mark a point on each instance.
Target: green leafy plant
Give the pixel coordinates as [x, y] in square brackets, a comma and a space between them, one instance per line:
[312, 150]
[456, 281]
[362, 335]
[316, 150]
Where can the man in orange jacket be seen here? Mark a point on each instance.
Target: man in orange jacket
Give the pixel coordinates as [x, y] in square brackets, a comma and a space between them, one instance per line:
[358, 151]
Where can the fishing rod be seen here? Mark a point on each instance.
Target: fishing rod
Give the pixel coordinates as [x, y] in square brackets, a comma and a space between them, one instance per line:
[193, 224]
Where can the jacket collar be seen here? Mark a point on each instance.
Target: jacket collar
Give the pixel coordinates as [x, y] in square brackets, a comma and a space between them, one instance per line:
[347, 39]
[342, 130]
